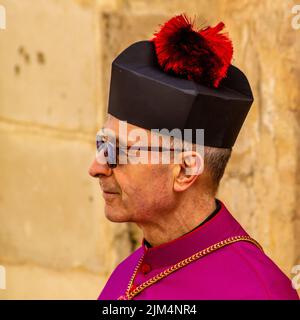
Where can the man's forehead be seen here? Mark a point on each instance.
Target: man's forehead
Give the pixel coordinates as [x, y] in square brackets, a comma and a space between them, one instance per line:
[121, 129]
[125, 133]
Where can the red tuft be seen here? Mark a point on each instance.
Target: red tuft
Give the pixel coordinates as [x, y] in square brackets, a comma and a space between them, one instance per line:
[203, 56]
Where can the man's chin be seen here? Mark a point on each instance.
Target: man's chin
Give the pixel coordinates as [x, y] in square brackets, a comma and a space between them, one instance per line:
[114, 215]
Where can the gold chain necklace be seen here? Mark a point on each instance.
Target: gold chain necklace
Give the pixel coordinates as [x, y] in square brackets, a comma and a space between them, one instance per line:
[130, 294]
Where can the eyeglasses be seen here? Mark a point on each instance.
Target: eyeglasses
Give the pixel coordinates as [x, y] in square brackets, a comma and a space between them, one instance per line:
[111, 150]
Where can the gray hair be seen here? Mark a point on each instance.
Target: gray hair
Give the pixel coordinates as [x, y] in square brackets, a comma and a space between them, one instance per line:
[215, 160]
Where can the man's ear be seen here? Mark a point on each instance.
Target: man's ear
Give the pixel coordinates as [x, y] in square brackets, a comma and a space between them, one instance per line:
[188, 170]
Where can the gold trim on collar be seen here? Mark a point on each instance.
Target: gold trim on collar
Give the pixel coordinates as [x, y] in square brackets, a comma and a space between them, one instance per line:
[132, 292]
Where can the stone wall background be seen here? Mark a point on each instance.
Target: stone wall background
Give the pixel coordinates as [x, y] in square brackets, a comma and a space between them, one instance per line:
[55, 58]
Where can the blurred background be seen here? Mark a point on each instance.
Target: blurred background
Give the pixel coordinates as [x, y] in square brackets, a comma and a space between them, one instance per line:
[55, 59]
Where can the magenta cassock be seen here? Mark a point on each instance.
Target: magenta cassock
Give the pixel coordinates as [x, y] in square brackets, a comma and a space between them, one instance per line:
[240, 270]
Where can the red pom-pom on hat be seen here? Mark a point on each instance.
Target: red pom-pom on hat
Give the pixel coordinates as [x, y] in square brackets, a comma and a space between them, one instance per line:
[203, 56]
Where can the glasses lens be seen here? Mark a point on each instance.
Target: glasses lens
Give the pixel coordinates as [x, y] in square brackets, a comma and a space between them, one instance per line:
[106, 152]
[111, 155]
[100, 143]
[100, 150]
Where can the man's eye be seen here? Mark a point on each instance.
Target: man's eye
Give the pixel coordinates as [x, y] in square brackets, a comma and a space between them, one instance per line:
[100, 144]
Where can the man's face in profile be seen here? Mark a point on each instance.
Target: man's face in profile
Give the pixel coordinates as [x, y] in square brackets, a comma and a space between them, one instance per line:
[134, 192]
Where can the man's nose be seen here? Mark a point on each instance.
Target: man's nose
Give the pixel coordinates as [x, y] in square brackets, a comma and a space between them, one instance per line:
[96, 169]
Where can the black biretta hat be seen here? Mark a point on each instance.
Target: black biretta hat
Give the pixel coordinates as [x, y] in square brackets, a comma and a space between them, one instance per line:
[181, 79]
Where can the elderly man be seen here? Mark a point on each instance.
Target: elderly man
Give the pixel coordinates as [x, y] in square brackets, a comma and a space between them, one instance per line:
[192, 246]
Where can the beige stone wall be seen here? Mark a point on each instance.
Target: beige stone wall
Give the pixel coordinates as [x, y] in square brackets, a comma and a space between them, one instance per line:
[55, 60]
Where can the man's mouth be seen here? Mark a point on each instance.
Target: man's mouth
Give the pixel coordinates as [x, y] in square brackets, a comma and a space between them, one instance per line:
[109, 195]
[111, 192]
